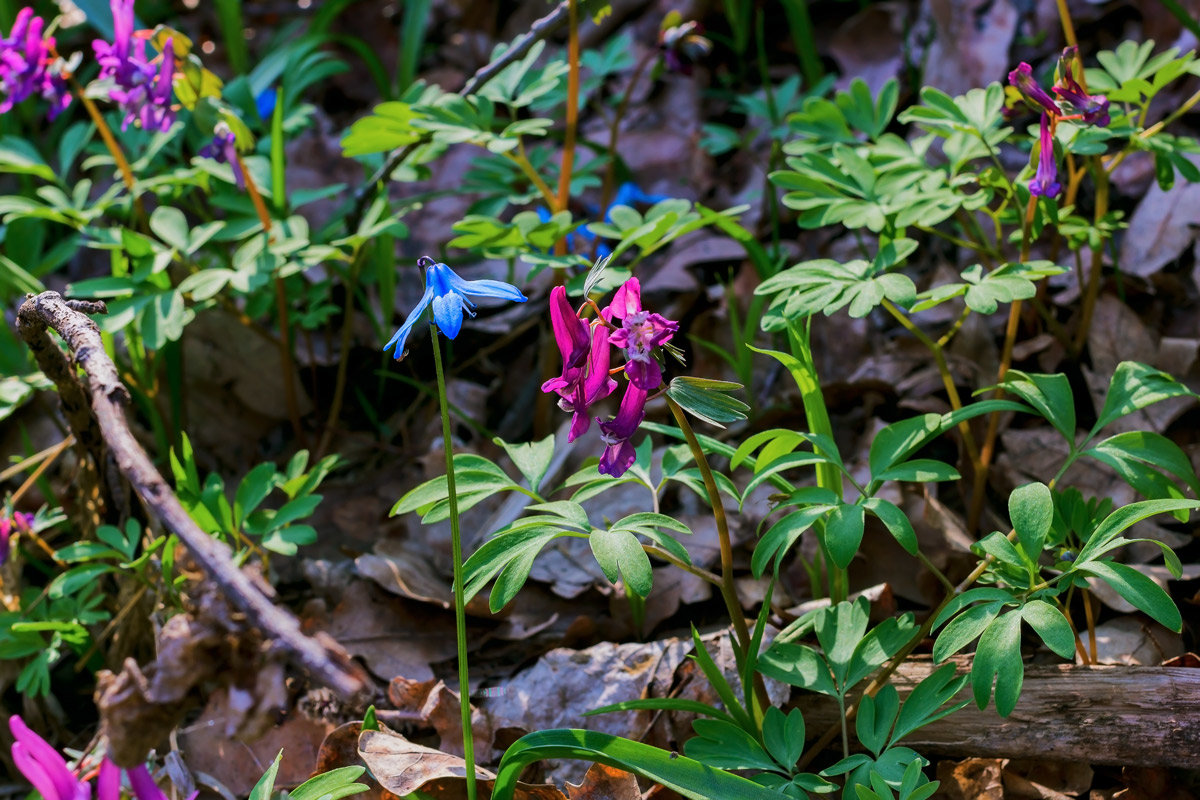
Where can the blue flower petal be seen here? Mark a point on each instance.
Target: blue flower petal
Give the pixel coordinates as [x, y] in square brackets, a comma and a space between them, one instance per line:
[484, 288]
[448, 313]
[402, 334]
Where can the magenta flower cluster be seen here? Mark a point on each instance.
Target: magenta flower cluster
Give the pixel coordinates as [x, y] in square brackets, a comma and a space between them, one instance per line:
[586, 377]
[29, 66]
[19, 521]
[47, 770]
[140, 88]
[1073, 103]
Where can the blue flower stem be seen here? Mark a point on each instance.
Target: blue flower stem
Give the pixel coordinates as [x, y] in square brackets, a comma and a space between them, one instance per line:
[460, 614]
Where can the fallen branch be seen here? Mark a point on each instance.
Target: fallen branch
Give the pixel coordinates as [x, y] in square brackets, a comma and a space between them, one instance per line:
[1128, 716]
[323, 659]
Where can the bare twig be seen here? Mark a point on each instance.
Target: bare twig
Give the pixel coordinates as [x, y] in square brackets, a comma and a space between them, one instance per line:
[323, 660]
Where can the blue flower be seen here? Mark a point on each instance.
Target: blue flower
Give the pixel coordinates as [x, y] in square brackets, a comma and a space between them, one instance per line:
[447, 293]
[265, 103]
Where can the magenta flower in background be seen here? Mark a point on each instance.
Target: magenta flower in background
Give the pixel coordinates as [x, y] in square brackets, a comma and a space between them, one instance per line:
[1045, 180]
[108, 782]
[28, 66]
[18, 521]
[43, 766]
[140, 89]
[639, 332]
[1022, 78]
[619, 454]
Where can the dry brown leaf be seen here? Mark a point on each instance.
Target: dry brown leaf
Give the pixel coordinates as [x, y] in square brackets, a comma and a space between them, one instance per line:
[402, 567]
[1040, 780]
[210, 748]
[403, 767]
[603, 782]
[971, 779]
[970, 45]
[870, 45]
[1135, 640]
[1161, 228]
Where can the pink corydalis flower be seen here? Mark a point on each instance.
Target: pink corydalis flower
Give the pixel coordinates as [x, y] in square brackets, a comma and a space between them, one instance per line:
[43, 766]
[638, 333]
[1045, 180]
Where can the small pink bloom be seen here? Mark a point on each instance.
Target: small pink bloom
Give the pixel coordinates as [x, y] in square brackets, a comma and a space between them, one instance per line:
[44, 766]
[619, 453]
[640, 332]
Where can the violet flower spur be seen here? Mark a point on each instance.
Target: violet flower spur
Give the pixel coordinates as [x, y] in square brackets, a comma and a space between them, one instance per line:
[44, 766]
[639, 332]
[619, 453]
[1022, 78]
[1045, 180]
[447, 294]
[1091, 108]
[223, 150]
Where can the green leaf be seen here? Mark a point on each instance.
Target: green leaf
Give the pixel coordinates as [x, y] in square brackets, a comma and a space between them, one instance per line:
[922, 470]
[1051, 625]
[620, 555]
[508, 557]
[1031, 509]
[332, 785]
[876, 715]
[898, 440]
[1050, 395]
[724, 745]
[266, 784]
[77, 578]
[895, 520]
[843, 533]
[1135, 386]
[171, 227]
[664, 704]
[781, 536]
[1139, 590]
[688, 777]
[925, 703]
[253, 489]
[1151, 448]
[18, 155]
[797, 665]
[964, 629]
[707, 399]
[998, 657]
[1101, 540]
[531, 458]
[783, 736]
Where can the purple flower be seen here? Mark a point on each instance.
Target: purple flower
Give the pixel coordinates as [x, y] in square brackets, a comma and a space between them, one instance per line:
[1045, 180]
[1022, 78]
[28, 66]
[682, 43]
[43, 766]
[585, 354]
[223, 150]
[640, 332]
[19, 521]
[447, 294]
[619, 454]
[140, 89]
[1091, 108]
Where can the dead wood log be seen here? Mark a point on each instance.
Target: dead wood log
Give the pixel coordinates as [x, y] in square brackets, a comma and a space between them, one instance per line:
[322, 658]
[1127, 716]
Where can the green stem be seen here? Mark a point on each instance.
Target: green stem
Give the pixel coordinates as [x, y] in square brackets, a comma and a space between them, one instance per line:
[460, 613]
[728, 590]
